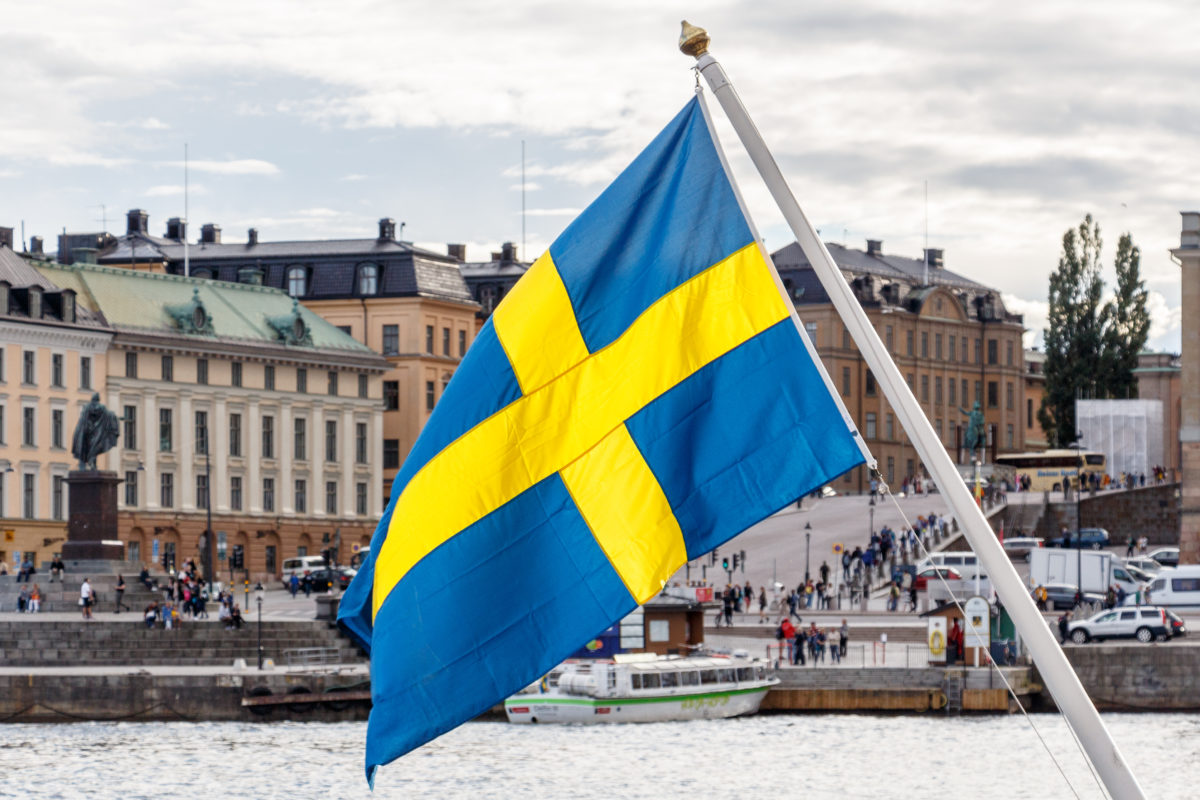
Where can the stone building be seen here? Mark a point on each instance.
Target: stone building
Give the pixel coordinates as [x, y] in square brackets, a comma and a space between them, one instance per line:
[1034, 391]
[51, 360]
[237, 397]
[950, 336]
[406, 303]
[490, 281]
[1188, 256]
[1159, 378]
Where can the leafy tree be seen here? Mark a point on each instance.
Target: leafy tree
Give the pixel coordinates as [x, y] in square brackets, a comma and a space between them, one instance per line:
[1091, 350]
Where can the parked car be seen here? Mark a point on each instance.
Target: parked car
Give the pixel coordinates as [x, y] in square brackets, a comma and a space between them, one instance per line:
[1167, 556]
[1177, 626]
[1145, 624]
[1095, 538]
[933, 573]
[1019, 546]
[1062, 595]
[321, 578]
[1145, 564]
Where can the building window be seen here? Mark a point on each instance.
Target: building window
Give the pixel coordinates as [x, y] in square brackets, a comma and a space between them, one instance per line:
[845, 381]
[924, 388]
[331, 383]
[368, 279]
[346, 329]
[331, 440]
[235, 373]
[890, 338]
[870, 427]
[937, 391]
[908, 342]
[891, 470]
[235, 434]
[301, 380]
[978, 351]
[166, 490]
[911, 381]
[391, 453]
[937, 426]
[268, 494]
[993, 354]
[299, 436]
[56, 428]
[269, 377]
[964, 391]
[330, 497]
[202, 491]
[1028, 413]
[462, 343]
[201, 431]
[952, 386]
[168, 368]
[268, 437]
[360, 499]
[202, 371]
[937, 346]
[429, 339]
[28, 372]
[131, 488]
[129, 424]
[360, 442]
[301, 495]
[297, 281]
[29, 496]
[1008, 396]
[924, 344]
[993, 390]
[270, 556]
[131, 365]
[1008, 353]
[846, 344]
[391, 395]
[1009, 435]
[85, 372]
[889, 426]
[811, 329]
[953, 351]
[2, 441]
[165, 431]
[235, 493]
[429, 398]
[29, 426]
[391, 340]
[56, 370]
[870, 387]
[445, 341]
[57, 498]
[363, 386]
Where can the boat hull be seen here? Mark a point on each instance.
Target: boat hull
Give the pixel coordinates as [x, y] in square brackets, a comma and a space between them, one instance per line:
[556, 707]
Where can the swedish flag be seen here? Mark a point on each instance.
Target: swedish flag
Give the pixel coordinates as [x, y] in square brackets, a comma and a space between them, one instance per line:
[641, 396]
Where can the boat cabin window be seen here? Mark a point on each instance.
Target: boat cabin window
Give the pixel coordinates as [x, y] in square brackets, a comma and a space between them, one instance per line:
[670, 680]
[708, 676]
[690, 678]
[761, 672]
[745, 674]
[727, 676]
[650, 681]
[636, 680]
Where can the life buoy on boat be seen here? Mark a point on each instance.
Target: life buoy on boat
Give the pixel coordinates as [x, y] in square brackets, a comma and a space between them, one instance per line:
[937, 643]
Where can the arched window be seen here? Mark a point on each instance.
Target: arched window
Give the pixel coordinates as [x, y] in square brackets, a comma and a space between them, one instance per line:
[297, 281]
[368, 279]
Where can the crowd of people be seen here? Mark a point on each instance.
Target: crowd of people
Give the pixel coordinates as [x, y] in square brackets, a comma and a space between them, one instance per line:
[812, 642]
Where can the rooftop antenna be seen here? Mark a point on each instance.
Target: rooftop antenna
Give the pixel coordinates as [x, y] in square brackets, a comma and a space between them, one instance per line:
[187, 271]
[925, 250]
[103, 217]
[23, 248]
[522, 195]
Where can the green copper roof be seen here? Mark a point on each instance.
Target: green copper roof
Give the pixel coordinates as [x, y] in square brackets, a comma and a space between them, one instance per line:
[197, 309]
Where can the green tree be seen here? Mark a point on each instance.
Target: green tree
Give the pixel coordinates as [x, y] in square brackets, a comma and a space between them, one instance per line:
[1126, 323]
[1074, 336]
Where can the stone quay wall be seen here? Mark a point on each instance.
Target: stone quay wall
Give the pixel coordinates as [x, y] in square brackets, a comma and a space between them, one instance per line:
[1152, 511]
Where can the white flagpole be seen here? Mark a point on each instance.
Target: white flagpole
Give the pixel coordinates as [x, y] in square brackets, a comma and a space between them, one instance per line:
[1055, 670]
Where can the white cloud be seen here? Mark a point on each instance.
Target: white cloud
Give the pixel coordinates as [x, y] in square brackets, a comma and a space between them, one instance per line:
[1035, 313]
[1165, 320]
[354, 176]
[241, 166]
[174, 190]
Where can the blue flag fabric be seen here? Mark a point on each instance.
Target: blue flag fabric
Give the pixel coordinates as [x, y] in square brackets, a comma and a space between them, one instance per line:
[640, 397]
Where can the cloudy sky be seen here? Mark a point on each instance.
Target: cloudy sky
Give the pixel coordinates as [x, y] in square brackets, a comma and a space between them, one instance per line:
[308, 120]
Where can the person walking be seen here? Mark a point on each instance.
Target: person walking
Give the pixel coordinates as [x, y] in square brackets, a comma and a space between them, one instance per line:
[120, 593]
[294, 584]
[762, 604]
[86, 598]
[843, 639]
[1064, 625]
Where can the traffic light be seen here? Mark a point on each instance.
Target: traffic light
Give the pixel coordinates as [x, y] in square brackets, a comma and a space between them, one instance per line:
[713, 556]
[743, 561]
[725, 563]
[735, 561]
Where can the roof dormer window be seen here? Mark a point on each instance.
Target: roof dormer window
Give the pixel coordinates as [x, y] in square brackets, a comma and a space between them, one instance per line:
[297, 281]
[368, 279]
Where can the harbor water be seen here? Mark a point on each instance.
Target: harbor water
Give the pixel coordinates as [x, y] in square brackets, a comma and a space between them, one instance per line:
[842, 756]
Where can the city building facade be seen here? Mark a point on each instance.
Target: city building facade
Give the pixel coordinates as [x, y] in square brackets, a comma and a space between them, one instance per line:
[1160, 377]
[237, 402]
[951, 338]
[1187, 255]
[490, 281]
[1034, 391]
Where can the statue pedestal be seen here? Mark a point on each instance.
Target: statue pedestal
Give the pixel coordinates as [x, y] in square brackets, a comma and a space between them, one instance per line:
[92, 525]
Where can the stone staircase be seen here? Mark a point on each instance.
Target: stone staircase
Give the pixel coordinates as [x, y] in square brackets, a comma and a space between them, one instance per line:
[30, 642]
[63, 595]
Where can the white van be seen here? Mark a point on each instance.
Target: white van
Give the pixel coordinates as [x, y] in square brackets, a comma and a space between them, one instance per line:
[964, 563]
[1176, 587]
[299, 565]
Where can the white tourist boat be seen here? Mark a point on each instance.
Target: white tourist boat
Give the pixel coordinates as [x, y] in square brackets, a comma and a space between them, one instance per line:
[644, 687]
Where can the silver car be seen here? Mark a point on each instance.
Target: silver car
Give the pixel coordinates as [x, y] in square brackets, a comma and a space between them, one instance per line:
[1145, 623]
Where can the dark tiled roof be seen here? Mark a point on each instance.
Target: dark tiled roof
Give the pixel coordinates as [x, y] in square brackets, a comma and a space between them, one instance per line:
[911, 270]
[19, 273]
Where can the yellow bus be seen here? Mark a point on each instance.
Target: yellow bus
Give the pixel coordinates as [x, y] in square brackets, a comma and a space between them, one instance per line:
[1047, 470]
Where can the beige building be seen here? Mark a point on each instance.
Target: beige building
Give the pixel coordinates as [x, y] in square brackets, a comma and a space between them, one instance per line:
[1188, 257]
[239, 397]
[51, 360]
[1034, 390]
[1159, 378]
[950, 337]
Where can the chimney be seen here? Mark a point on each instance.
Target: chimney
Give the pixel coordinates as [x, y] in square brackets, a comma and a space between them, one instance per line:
[933, 257]
[875, 247]
[252, 237]
[508, 252]
[496, 256]
[6, 238]
[36, 246]
[387, 230]
[457, 251]
[1189, 236]
[137, 221]
[210, 233]
[177, 229]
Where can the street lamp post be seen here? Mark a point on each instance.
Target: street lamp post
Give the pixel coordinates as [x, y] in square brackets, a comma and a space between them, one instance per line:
[207, 556]
[258, 595]
[807, 542]
[1078, 518]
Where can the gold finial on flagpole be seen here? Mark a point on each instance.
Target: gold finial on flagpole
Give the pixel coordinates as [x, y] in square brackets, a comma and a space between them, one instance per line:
[693, 41]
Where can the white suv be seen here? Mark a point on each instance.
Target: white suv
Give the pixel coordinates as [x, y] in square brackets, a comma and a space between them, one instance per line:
[1145, 623]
